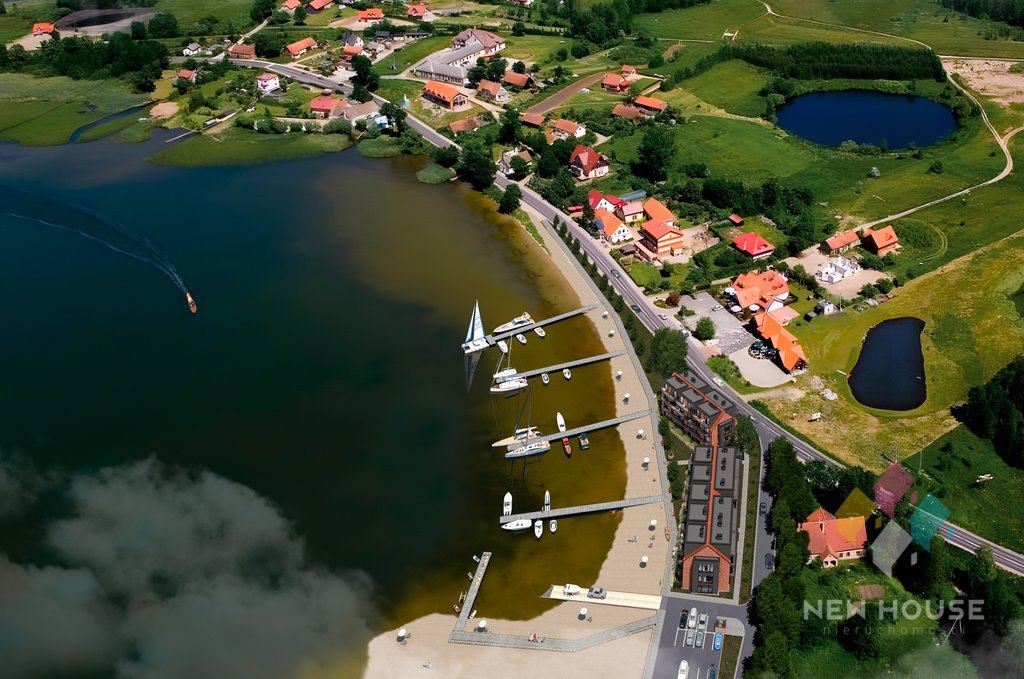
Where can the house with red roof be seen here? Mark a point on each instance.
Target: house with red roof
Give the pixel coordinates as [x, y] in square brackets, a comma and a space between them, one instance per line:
[492, 91]
[890, 488]
[655, 209]
[187, 74]
[317, 6]
[586, 163]
[841, 242]
[416, 11]
[488, 43]
[520, 80]
[350, 52]
[768, 290]
[753, 245]
[627, 70]
[564, 129]
[326, 106]
[631, 212]
[660, 238]
[267, 82]
[833, 540]
[735, 219]
[372, 15]
[290, 5]
[241, 51]
[297, 49]
[464, 125]
[444, 94]
[611, 227]
[881, 242]
[650, 104]
[602, 201]
[532, 119]
[613, 82]
[43, 29]
[628, 112]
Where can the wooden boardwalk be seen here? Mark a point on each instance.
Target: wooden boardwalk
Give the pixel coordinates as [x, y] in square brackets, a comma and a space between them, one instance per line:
[493, 339]
[556, 369]
[474, 589]
[603, 424]
[584, 509]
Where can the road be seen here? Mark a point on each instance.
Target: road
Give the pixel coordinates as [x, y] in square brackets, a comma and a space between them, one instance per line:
[566, 94]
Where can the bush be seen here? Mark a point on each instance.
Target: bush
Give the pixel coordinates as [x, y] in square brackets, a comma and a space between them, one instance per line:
[936, 167]
[705, 329]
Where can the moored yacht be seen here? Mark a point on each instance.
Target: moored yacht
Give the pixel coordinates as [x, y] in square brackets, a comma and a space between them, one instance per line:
[534, 448]
[566, 373]
[545, 379]
[538, 528]
[509, 386]
[540, 332]
[516, 322]
[521, 338]
[506, 506]
[517, 526]
[518, 435]
[503, 345]
[475, 335]
[505, 374]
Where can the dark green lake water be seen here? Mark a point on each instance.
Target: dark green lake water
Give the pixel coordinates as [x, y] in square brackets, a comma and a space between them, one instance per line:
[323, 369]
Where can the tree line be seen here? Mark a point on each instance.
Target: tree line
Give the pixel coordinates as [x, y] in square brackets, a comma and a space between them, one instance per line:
[995, 411]
[1010, 11]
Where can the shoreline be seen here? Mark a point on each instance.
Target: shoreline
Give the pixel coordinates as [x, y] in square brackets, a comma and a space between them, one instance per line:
[621, 569]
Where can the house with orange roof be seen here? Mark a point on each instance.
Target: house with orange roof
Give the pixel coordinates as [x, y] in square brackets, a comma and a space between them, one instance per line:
[586, 163]
[753, 245]
[291, 5]
[532, 119]
[627, 70]
[187, 74]
[565, 129]
[768, 290]
[326, 106]
[492, 91]
[520, 80]
[464, 125]
[416, 11]
[350, 52]
[43, 28]
[661, 238]
[650, 104]
[833, 540]
[317, 6]
[628, 112]
[611, 227]
[444, 94]
[881, 242]
[297, 49]
[655, 209]
[791, 354]
[841, 242]
[613, 82]
[372, 15]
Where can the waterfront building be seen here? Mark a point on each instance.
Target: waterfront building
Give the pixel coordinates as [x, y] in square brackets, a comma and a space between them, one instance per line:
[710, 532]
[703, 413]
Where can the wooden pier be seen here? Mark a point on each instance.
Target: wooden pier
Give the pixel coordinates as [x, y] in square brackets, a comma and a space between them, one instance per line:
[474, 589]
[584, 509]
[493, 339]
[556, 369]
[587, 428]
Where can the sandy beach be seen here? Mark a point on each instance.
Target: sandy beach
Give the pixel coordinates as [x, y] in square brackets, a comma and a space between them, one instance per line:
[427, 651]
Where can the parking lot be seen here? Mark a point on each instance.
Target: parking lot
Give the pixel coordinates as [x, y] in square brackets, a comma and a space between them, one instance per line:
[672, 647]
[729, 332]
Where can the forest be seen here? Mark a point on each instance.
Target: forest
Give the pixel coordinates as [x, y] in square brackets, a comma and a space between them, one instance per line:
[995, 411]
[1010, 11]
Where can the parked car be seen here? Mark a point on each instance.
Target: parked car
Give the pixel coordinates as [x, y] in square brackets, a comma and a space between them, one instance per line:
[692, 622]
[596, 592]
[682, 619]
[768, 561]
[718, 641]
[764, 509]
[699, 643]
[686, 333]
[717, 307]
[702, 622]
[691, 636]
[712, 672]
[684, 670]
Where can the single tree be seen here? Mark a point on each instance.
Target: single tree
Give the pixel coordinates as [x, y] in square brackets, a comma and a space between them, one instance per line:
[705, 329]
[519, 67]
[654, 157]
[520, 168]
[668, 352]
[587, 217]
[510, 199]
[446, 156]
[261, 9]
[476, 166]
[509, 126]
[518, 29]
[300, 15]
[138, 31]
[395, 115]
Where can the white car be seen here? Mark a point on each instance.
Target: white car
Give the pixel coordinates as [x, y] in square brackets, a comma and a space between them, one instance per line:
[702, 622]
[717, 307]
[663, 317]
[684, 669]
[692, 622]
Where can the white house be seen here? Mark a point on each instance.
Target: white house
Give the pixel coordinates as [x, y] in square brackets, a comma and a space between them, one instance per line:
[267, 82]
[611, 227]
[837, 269]
[192, 49]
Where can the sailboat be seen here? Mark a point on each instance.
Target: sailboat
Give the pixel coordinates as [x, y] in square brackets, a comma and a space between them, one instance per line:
[528, 450]
[506, 381]
[519, 435]
[506, 507]
[566, 445]
[547, 500]
[475, 335]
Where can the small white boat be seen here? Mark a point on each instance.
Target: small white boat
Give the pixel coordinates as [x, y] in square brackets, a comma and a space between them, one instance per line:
[567, 374]
[516, 322]
[476, 558]
[503, 345]
[545, 379]
[505, 374]
[561, 421]
[474, 336]
[521, 338]
[547, 500]
[519, 435]
[540, 332]
[553, 525]
[538, 528]
[535, 448]
[509, 386]
[517, 526]
[506, 507]
[571, 589]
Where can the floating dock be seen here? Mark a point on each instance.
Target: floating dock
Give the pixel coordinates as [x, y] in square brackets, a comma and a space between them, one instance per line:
[474, 589]
[556, 369]
[587, 428]
[493, 339]
[585, 509]
[649, 602]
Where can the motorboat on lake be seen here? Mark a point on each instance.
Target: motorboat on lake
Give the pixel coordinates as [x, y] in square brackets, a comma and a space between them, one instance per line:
[540, 332]
[553, 525]
[566, 445]
[503, 345]
[506, 507]
[192, 304]
[584, 441]
[547, 500]
[566, 373]
[517, 526]
[538, 528]
[521, 338]
[517, 322]
[561, 421]
[545, 379]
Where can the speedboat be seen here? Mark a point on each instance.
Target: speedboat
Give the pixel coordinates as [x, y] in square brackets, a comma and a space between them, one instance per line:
[516, 322]
[503, 345]
[567, 446]
[505, 374]
[584, 441]
[509, 386]
[517, 526]
[521, 338]
[547, 500]
[545, 379]
[506, 507]
[519, 435]
[191, 302]
[566, 373]
[535, 448]
[561, 421]
[538, 528]
[553, 525]
[540, 332]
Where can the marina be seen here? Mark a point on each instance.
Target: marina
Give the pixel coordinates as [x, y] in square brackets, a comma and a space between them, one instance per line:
[526, 374]
[584, 509]
[569, 433]
[498, 337]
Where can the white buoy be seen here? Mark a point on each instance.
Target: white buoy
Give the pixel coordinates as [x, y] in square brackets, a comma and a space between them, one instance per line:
[482, 625]
[618, 375]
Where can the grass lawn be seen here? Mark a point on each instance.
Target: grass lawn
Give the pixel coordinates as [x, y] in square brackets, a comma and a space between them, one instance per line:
[42, 111]
[951, 478]
[772, 234]
[110, 128]
[534, 48]
[243, 147]
[972, 328]
[731, 647]
[381, 147]
[728, 371]
[732, 86]
[648, 276]
[434, 174]
[190, 11]
[412, 54]
[753, 491]
[329, 16]
[393, 89]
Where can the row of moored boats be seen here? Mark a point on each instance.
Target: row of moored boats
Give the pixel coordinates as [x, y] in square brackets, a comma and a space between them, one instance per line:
[521, 525]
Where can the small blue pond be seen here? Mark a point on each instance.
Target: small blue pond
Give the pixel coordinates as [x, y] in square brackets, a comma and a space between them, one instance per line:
[830, 118]
[890, 369]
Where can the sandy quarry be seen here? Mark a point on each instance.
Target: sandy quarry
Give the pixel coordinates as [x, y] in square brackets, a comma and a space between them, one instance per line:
[990, 77]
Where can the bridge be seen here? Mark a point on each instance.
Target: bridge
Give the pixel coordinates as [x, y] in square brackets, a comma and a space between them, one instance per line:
[571, 364]
[585, 509]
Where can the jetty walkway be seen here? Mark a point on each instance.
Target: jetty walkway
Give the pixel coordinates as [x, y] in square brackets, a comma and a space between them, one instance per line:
[493, 339]
[584, 509]
[474, 589]
[571, 364]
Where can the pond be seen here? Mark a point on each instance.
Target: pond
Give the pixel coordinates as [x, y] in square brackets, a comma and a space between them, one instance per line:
[889, 373]
[830, 118]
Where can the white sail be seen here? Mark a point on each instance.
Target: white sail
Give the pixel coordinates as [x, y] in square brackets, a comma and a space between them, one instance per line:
[475, 333]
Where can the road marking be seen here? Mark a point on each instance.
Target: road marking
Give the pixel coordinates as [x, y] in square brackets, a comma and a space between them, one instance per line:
[676, 640]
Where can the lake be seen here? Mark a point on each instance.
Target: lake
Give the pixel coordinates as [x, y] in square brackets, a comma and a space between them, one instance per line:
[322, 377]
[830, 118]
[889, 373]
